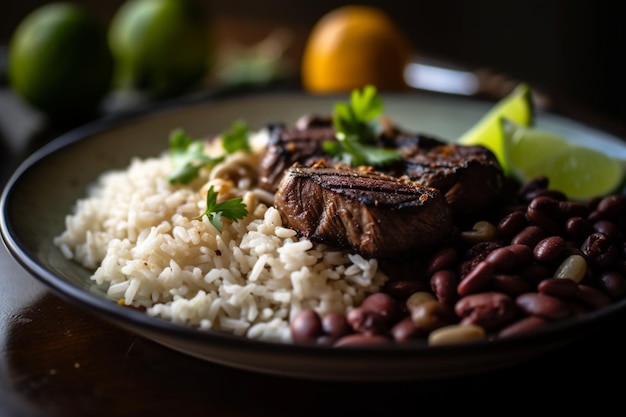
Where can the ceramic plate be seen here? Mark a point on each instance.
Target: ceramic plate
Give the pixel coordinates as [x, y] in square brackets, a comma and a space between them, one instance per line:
[45, 187]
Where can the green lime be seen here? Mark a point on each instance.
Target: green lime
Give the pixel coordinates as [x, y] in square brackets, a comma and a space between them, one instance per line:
[162, 47]
[59, 61]
[525, 146]
[578, 171]
[517, 106]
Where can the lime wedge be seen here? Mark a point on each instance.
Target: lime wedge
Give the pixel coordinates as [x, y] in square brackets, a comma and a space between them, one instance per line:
[576, 170]
[524, 146]
[517, 107]
[580, 172]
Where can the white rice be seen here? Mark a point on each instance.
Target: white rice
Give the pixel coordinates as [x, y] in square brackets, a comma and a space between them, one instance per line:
[141, 237]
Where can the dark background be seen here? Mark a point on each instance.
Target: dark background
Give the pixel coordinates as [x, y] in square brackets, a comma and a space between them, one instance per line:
[571, 50]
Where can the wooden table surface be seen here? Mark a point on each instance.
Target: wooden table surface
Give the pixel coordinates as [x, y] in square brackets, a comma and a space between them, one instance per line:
[59, 360]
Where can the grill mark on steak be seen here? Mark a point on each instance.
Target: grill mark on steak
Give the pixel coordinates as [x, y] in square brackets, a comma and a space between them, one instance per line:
[374, 214]
[301, 144]
[469, 176]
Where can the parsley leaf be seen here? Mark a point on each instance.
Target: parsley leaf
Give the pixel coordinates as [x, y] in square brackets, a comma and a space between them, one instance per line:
[236, 139]
[232, 209]
[188, 157]
[356, 127]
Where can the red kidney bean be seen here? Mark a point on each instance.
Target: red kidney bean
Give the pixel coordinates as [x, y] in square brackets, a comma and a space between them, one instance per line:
[365, 321]
[445, 258]
[595, 245]
[522, 326]
[488, 309]
[612, 206]
[578, 227]
[306, 326]
[609, 228]
[512, 224]
[476, 279]
[545, 213]
[404, 330]
[383, 304]
[509, 257]
[549, 250]
[513, 285]
[594, 216]
[558, 287]
[444, 284]
[592, 297]
[614, 284]
[599, 251]
[335, 325]
[530, 236]
[523, 252]
[546, 306]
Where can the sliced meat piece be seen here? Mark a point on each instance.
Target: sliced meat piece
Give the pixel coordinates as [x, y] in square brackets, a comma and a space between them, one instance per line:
[288, 145]
[470, 176]
[374, 214]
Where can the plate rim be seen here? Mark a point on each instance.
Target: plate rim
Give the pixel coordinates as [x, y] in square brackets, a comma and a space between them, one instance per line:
[109, 310]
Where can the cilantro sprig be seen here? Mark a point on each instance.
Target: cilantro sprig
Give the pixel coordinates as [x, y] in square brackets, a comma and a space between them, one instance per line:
[356, 126]
[236, 139]
[188, 156]
[232, 209]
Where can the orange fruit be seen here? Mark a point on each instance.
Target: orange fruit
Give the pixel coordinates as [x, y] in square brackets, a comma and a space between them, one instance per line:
[353, 46]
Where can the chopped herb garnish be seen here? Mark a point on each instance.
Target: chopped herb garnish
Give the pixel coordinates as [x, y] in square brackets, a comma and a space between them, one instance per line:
[236, 139]
[232, 209]
[356, 126]
[188, 157]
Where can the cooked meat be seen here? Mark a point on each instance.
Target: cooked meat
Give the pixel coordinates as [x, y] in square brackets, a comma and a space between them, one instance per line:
[470, 176]
[288, 145]
[374, 214]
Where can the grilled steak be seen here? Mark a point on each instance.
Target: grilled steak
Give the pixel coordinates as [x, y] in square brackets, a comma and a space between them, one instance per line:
[379, 211]
[301, 144]
[376, 215]
[470, 176]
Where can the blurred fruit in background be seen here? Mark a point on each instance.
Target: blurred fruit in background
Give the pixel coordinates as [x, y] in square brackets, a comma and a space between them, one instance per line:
[352, 46]
[258, 64]
[161, 47]
[59, 61]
